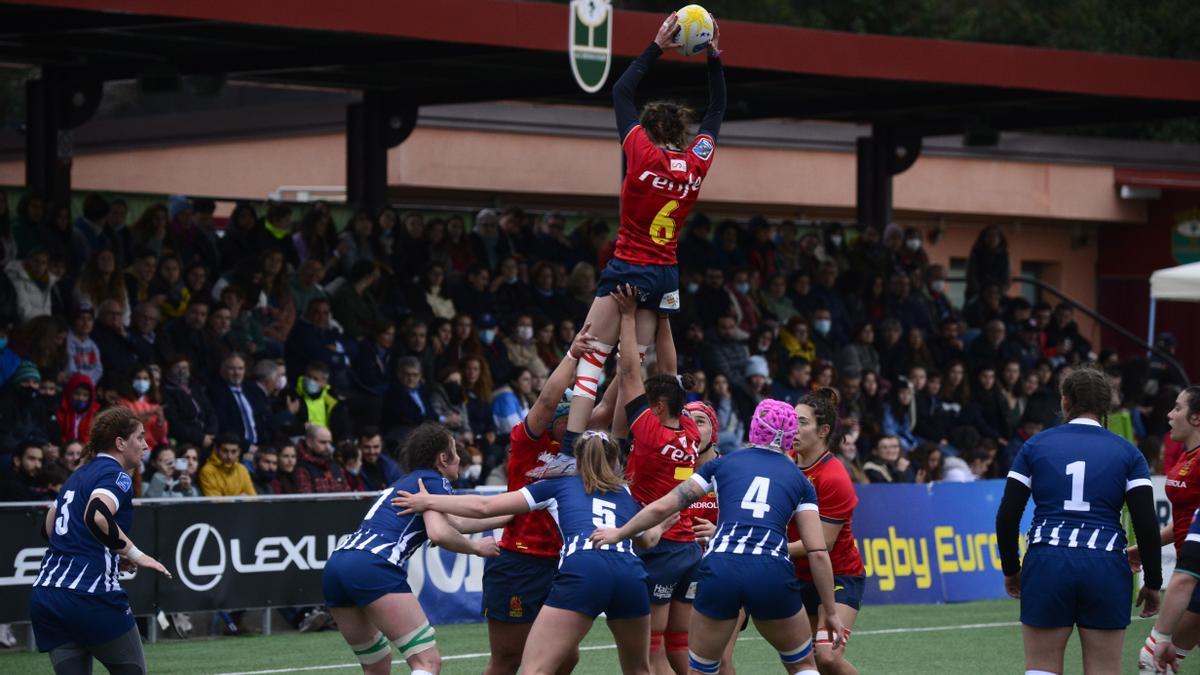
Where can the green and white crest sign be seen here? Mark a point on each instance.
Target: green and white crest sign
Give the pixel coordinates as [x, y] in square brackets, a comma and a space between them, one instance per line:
[590, 42]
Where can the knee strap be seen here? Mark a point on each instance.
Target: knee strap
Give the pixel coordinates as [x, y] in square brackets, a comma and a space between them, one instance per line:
[656, 640]
[794, 656]
[590, 370]
[419, 640]
[824, 637]
[677, 641]
[372, 651]
[702, 665]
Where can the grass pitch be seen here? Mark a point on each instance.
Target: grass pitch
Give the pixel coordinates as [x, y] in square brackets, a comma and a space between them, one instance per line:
[980, 638]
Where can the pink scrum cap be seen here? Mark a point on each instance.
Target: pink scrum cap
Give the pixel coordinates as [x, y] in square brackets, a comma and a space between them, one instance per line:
[773, 425]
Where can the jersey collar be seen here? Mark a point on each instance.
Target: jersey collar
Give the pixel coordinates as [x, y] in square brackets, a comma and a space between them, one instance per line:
[105, 454]
[1084, 420]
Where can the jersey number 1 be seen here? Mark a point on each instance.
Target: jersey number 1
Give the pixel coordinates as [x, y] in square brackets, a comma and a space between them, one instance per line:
[662, 230]
[1076, 470]
[755, 499]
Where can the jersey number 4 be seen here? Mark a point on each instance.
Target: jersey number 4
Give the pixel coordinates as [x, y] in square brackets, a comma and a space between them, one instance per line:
[755, 499]
[662, 230]
[1076, 470]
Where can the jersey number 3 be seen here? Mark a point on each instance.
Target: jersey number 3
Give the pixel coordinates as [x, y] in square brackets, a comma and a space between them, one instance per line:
[1076, 470]
[662, 230]
[62, 522]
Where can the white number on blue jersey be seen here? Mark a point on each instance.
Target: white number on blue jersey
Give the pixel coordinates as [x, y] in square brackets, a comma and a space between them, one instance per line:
[379, 502]
[755, 499]
[1076, 470]
[64, 513]
[604, 513]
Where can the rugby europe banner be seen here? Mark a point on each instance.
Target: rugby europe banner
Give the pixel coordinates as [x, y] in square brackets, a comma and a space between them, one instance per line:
[931, 543]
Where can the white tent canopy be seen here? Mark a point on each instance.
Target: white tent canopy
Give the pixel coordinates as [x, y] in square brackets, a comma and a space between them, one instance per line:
[1180, 283]
[1176, 283]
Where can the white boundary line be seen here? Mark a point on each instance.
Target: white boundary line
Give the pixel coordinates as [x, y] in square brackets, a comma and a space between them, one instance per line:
[592, 648]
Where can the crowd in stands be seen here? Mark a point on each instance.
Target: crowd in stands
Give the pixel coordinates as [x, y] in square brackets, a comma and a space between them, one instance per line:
[282, 352]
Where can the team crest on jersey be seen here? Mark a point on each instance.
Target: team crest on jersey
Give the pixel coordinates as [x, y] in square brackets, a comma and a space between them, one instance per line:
[515, 610]
[679, 165]
[703, 148]
[124, 481]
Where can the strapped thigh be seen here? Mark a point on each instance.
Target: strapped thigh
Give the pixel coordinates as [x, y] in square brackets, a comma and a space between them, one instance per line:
[419, 640]
[372, 651]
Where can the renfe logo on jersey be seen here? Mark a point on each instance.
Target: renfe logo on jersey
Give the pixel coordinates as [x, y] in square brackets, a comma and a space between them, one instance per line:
[679, 165]
[703, 149]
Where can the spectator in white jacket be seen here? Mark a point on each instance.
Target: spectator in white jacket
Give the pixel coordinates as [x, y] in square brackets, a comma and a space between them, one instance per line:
[34, 284]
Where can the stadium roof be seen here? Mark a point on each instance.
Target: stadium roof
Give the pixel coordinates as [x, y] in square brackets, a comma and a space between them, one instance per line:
[453, 51]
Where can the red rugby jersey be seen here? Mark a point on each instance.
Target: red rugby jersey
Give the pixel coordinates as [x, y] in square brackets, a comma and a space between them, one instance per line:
[836, 499]
[659, 190]
[1183, 491]
[534, 533]
[661, 459]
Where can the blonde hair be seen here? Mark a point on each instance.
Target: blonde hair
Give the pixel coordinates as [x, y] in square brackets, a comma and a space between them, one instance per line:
[596, 456]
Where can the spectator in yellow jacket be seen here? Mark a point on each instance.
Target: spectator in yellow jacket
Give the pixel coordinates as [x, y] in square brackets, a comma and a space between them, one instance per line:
[223, 475]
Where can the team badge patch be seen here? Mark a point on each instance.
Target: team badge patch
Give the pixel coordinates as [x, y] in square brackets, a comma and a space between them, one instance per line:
[679, 165]
[669, 300]
[515, 610]
[124, 481]
[703, 148]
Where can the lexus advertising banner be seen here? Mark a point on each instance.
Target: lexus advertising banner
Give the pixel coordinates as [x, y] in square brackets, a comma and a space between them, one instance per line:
[239, 554]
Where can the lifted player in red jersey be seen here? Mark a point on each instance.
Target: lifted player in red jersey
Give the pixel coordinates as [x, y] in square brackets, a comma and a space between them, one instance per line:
[664, 168]
[817, 417]
[1183, 491]
[665, 445]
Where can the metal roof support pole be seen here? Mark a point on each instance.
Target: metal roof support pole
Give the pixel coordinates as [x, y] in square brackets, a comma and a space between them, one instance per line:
[382, 120]
[47, 165]
[883, 154]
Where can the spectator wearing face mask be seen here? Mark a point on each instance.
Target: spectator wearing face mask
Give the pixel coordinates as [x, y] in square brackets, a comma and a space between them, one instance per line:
[320, 403]
[24, 415]
[492, 347]
[349, 459]
[912, 256]
[140, 395]
[266, 468]
[745, 309]
[822, 335]
[79, 406]
[520, 348]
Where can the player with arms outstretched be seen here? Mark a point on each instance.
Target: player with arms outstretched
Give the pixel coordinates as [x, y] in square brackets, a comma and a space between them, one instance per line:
[759, 490]
[78, 609]
[366, 578]
[1075, 571]
[664, 168]
[1183, 491]
[817, 417]
[591, 579]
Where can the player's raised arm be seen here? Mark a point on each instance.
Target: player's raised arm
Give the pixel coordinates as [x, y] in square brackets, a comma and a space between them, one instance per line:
[626, 86]
[542, 410]
[629, 367]
[711, 124]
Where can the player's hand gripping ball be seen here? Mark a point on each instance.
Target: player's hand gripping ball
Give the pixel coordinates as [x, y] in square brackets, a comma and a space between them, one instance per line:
[695, 29]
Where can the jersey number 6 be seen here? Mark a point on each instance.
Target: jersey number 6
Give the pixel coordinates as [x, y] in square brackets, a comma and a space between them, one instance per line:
[662, 230]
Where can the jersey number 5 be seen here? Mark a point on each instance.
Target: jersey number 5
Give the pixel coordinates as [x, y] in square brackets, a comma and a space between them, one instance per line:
[755, 499]
[604, 513]
[662, 230]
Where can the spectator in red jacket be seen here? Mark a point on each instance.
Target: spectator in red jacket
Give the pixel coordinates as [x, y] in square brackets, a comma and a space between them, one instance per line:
[316, 470]
[78, 408]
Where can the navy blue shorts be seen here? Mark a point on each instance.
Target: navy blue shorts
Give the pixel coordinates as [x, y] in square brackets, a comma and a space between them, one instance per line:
[766, 586]
[671, 570]
[592, 582]
[846, 591]
[658, 285]
[355, 578]
[516, 585]
[1063, 587]
[60, 616]
[1194, 603]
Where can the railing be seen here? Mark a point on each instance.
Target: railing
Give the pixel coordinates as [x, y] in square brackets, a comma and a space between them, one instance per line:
[1097, 317]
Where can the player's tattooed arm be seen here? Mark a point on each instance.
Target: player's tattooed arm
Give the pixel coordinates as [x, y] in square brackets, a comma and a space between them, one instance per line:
[687, 493]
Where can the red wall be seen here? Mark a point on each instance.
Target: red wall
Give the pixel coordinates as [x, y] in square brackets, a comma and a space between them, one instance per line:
[1128, 254]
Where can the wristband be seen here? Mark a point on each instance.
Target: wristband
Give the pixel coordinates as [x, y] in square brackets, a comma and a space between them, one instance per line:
[134, 554]
[1159, 637]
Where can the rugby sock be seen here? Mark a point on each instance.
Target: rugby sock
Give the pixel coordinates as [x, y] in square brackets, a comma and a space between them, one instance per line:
[1181, 654]
[676, 641]
[656, 641]
[1039, 672]
[703, 665]
[421, 672]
